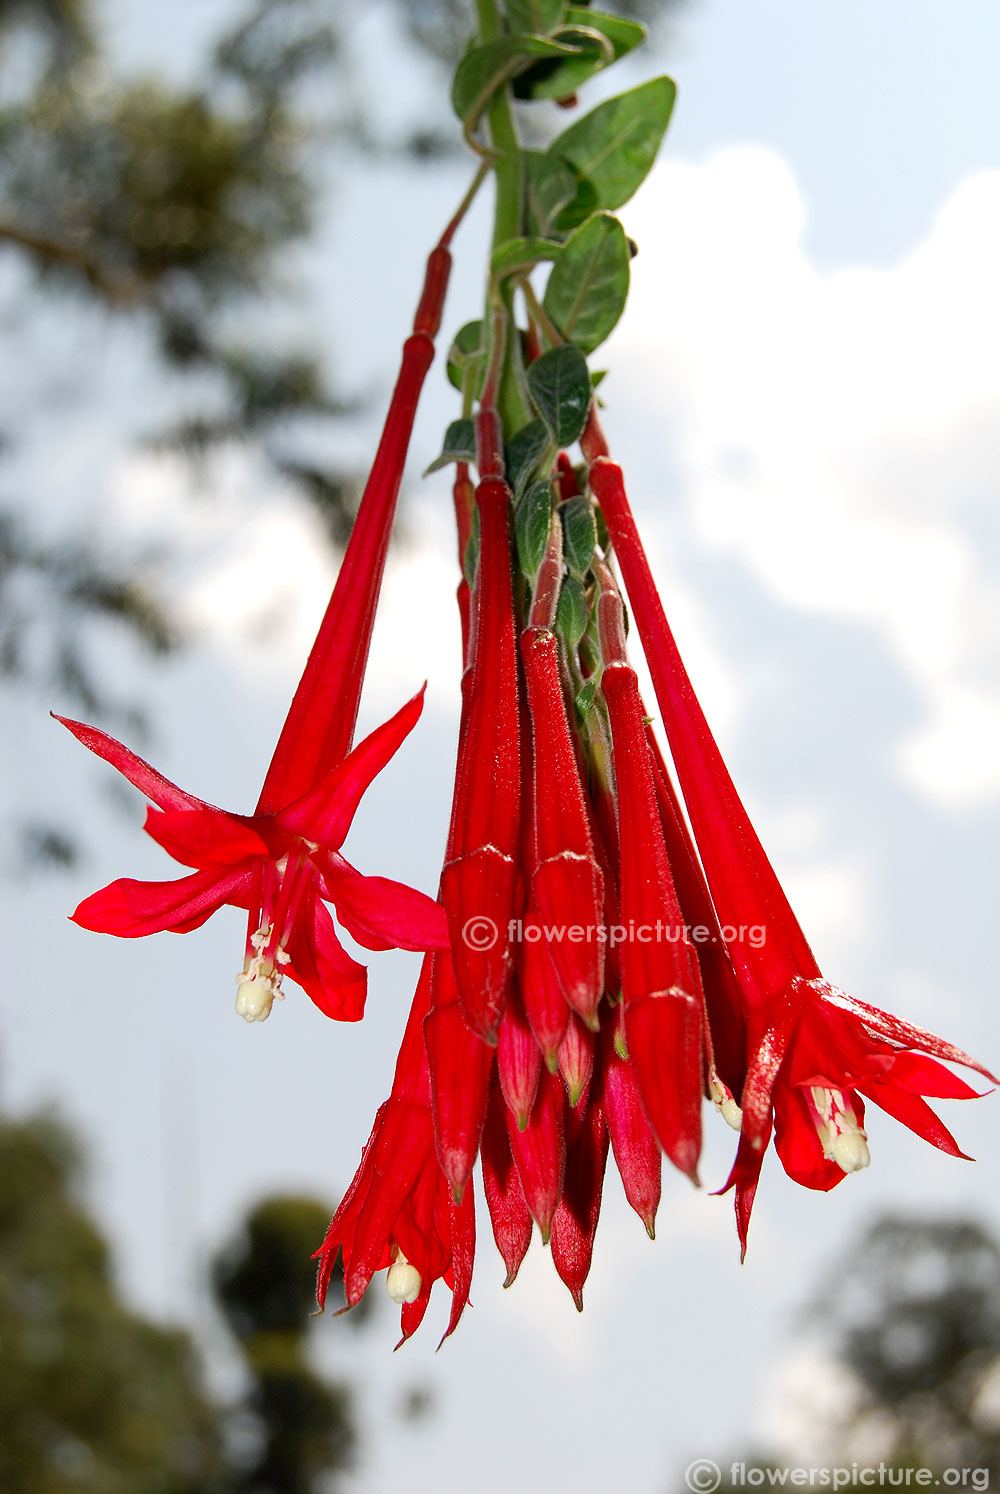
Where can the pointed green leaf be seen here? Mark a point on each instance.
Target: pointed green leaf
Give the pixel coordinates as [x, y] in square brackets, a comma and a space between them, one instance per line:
[623, 35]
[579, 535]
[585, 699]
[551, 185]
[531, 526]
[560, 387]
[588, 287]
[559, 77]
[521, 254]
[459, 446]
[524, 451]
[571, 613]
[612, 148]
[533, 15]
[466, 347]
[485, 69]
[470, 559]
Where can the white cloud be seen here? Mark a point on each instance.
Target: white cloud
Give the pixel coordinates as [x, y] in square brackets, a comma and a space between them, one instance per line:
[838, 431]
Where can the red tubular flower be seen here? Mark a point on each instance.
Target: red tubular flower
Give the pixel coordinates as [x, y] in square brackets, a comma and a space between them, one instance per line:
[282, 867]
[479, 883]
[812, 1050]
[460, 1066]
[544, 1002]
[509, 1214]
[636, 1150]
[398, 1214]
[576, 1060]
[660, 983]
[567, 886]
[539, 1151]
[574, 1222]
[284, 861]
[519, 1059]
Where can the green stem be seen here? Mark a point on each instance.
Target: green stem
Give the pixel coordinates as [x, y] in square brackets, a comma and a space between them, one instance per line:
[508, 169]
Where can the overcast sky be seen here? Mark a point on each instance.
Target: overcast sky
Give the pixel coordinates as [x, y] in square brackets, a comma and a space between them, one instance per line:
[804, 393]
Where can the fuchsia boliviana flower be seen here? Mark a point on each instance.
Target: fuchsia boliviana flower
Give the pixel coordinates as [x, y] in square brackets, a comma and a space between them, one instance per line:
[609, 951]
[284, 863]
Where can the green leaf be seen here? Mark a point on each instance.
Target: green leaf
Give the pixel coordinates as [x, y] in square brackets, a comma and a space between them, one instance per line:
[533, 15]
[551, 185]
[485, 69]
[585, 699]
[521, 254]
[623, 35]
[557, 78]
[579, 535]
[524, 450]
[571, 613]
[470, 560]
[531, 526]
[612, 148]
[588, 287]
[459, 446]
[560, 387]
[466, 348]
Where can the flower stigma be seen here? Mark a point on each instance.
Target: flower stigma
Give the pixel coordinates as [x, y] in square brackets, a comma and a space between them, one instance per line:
[403, 1281]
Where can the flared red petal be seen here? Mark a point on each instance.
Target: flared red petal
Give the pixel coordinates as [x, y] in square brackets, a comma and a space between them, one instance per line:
[324, 815]
[383, 914]
[138, 772]
[132, 909]
[203, 837]
[914, 1113]
[331, 979]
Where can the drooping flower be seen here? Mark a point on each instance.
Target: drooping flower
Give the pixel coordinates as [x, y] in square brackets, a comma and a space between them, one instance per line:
[282, 867]
[399, 1214]
[812, 1051]
[284, 862]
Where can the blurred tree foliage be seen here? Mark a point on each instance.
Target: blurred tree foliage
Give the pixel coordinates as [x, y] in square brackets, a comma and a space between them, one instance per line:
[910, 1321]
[265, 1283]
[915, 1321]
[95, 1399]
[92, 1397]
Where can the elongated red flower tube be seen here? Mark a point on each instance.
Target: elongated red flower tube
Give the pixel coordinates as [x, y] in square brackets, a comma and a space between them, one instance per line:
[574, 1223]
[509, 1214]
[479, 883]
[812, 1050]
[661, 987]
[539, 1151]
[567, 886]
[636, 1149]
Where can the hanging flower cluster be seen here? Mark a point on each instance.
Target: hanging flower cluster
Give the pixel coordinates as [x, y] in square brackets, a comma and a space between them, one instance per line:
[606, 951]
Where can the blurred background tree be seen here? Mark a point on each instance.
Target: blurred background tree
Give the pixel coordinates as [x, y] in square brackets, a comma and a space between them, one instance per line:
[908, 1332]
[95, 1399]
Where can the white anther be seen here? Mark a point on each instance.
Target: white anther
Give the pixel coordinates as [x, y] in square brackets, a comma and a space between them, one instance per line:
[403, 1281]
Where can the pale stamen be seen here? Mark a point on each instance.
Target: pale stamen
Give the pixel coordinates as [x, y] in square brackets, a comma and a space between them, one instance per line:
[843, 1140]
[725, 1104]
